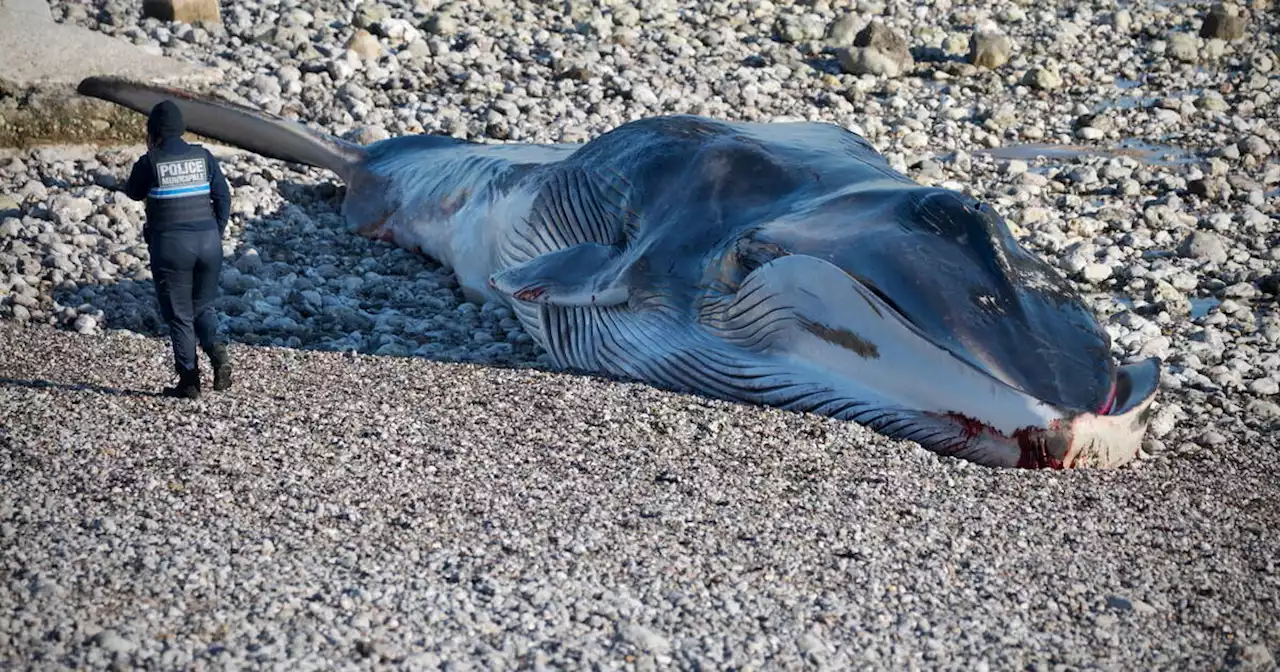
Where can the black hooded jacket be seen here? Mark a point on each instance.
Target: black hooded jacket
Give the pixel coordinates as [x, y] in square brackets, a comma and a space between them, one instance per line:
[182, 183]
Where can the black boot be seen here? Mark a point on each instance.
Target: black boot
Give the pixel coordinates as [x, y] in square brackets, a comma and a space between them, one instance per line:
[188, 385]
[220, 359]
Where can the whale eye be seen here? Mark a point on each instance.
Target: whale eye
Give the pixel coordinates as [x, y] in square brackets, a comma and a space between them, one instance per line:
[752, 254]
[743, 258]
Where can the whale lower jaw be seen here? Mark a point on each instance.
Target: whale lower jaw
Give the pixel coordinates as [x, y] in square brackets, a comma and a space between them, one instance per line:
[1074, 440]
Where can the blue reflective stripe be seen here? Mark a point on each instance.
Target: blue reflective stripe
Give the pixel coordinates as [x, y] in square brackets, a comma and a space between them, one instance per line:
[179, 192]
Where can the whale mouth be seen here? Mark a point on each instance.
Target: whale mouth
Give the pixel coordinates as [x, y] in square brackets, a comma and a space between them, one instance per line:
[1108, 438]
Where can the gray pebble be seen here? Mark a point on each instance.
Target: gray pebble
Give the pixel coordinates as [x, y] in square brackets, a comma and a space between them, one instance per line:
[1264, 386]
[1204, 245]
[85, 324]
[110, 640]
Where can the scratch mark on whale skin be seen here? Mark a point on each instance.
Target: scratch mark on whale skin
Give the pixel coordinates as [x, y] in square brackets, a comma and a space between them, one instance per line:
[844, 338]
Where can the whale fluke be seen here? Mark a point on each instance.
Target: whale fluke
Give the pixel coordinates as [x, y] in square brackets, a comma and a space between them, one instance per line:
[254, 130]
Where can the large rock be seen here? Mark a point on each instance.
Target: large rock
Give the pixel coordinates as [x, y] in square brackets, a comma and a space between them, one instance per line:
[877, 50]
[800, 28]
[364, 44]
[990, 49]
[1043, 78]
[1223, 23]
[186, 11]
[1204, 245]
[843, 30]
[43, 61]
[1183, 47]
[879, 36]
[38, 7]
[869, 61]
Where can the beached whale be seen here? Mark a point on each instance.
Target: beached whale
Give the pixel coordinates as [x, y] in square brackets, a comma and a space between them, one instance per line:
[781, 264]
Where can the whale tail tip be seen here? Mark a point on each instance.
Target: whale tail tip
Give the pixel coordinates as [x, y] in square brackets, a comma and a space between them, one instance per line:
[249, 129]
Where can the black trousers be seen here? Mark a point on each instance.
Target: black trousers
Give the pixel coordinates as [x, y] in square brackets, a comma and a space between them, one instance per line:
[185, 267]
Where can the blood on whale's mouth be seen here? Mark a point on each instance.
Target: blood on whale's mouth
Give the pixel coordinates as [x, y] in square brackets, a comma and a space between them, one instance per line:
[1077, 436]
[1108, 437]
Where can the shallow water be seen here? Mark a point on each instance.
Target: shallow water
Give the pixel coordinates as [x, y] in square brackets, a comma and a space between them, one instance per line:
[1126, 103]
[1132, 98]
[1200, 306]
[1136, 149]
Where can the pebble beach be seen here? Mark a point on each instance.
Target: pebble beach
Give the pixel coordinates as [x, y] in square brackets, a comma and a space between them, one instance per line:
[398, 479]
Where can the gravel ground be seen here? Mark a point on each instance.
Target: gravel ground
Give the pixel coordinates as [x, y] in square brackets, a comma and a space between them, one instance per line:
[350, 510]
[1165, 212]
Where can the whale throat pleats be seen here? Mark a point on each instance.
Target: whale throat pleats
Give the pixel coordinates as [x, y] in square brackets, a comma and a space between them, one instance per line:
[568, 258]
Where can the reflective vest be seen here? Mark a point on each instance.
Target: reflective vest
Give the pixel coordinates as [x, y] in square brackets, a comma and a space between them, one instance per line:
[179, 197]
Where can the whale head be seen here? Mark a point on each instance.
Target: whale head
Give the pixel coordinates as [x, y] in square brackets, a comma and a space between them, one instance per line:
[915, 311]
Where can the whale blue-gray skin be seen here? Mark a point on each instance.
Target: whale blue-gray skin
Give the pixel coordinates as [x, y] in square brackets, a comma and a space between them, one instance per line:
[779, 264]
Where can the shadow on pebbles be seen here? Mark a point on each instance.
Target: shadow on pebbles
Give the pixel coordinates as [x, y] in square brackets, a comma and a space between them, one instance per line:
[336, 509]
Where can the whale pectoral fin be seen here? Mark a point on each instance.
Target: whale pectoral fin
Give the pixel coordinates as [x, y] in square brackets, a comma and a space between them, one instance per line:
[581, 275]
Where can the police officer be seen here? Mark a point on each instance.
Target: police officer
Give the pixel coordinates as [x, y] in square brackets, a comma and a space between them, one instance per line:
[188, 204]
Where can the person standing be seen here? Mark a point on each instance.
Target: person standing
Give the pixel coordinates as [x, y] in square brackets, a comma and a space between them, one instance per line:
[188, 204]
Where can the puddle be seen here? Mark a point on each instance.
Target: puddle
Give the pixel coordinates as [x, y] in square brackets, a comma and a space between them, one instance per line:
[1136, 149]
[1120, 299]
[1134, 100]
[1164, 5]
[1126, 103]
[1200, 306]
